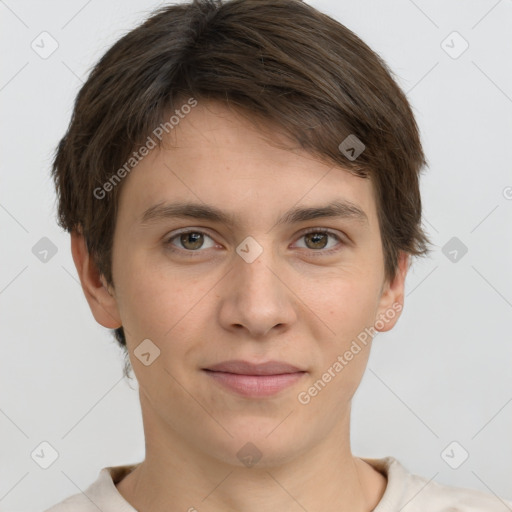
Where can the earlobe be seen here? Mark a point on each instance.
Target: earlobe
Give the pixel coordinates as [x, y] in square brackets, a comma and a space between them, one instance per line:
[392, 298]
[102, 302]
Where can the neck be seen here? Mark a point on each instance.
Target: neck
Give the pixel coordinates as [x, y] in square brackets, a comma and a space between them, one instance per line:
[177, 474]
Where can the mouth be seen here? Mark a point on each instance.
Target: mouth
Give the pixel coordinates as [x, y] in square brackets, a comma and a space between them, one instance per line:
[254, 380]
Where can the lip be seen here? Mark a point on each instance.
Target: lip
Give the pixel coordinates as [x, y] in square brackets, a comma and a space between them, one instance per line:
[241, 367]
[255, 380]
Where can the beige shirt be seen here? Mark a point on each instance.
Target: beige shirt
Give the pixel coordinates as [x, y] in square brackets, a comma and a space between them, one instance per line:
[405, 492]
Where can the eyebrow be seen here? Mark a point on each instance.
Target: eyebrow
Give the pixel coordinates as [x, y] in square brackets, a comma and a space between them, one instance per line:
[341, 209]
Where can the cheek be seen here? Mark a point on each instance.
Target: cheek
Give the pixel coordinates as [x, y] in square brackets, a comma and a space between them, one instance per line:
[351, 307]
[159, 304]
[143, 298]
[348, 304]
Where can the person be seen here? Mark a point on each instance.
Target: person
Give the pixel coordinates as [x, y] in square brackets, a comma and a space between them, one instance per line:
[240, 181]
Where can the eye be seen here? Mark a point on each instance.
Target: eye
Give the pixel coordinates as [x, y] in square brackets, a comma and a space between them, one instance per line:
[190, 241]
[317, 240]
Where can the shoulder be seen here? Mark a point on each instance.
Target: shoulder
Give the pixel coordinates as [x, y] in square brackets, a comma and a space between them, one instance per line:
[433, 496]
[409, 492]
[102, 494]
[75, 503]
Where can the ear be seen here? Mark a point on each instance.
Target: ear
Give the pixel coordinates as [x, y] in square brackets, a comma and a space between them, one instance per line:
[392, 297]
[101, 300]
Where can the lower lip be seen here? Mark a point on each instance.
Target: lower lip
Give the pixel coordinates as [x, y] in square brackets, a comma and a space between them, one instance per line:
[255, 385]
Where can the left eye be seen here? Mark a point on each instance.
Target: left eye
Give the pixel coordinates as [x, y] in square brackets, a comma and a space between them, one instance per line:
[318, 240]
[193, 240]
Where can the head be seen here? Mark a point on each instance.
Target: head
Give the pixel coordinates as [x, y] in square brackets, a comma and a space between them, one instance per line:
[221, 106]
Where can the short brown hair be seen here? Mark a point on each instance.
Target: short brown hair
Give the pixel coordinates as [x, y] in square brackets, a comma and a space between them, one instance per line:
[278, 60]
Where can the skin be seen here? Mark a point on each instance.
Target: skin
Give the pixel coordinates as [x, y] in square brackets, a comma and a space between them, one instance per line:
[294, 303]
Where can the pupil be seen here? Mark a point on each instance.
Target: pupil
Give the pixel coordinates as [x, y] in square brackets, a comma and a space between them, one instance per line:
[316, 237]
[196, 239]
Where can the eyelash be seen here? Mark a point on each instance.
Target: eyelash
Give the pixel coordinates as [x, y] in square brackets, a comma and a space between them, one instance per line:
[189, 253]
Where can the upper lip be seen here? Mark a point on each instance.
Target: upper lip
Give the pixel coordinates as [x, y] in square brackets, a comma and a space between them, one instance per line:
[246, 368]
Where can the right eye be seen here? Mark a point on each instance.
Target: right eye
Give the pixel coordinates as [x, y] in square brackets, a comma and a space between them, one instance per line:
[191, 240]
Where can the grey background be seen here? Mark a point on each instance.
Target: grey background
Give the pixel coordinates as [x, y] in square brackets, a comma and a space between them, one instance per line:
[441, 375]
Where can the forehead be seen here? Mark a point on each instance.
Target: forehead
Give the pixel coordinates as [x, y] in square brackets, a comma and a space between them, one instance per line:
[218, 157]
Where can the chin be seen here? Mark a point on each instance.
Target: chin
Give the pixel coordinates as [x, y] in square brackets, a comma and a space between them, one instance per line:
[256, 444]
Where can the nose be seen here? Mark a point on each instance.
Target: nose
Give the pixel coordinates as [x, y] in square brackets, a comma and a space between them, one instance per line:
[256, 298]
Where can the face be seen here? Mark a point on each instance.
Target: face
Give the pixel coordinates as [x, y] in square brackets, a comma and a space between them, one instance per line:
[259, 285]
